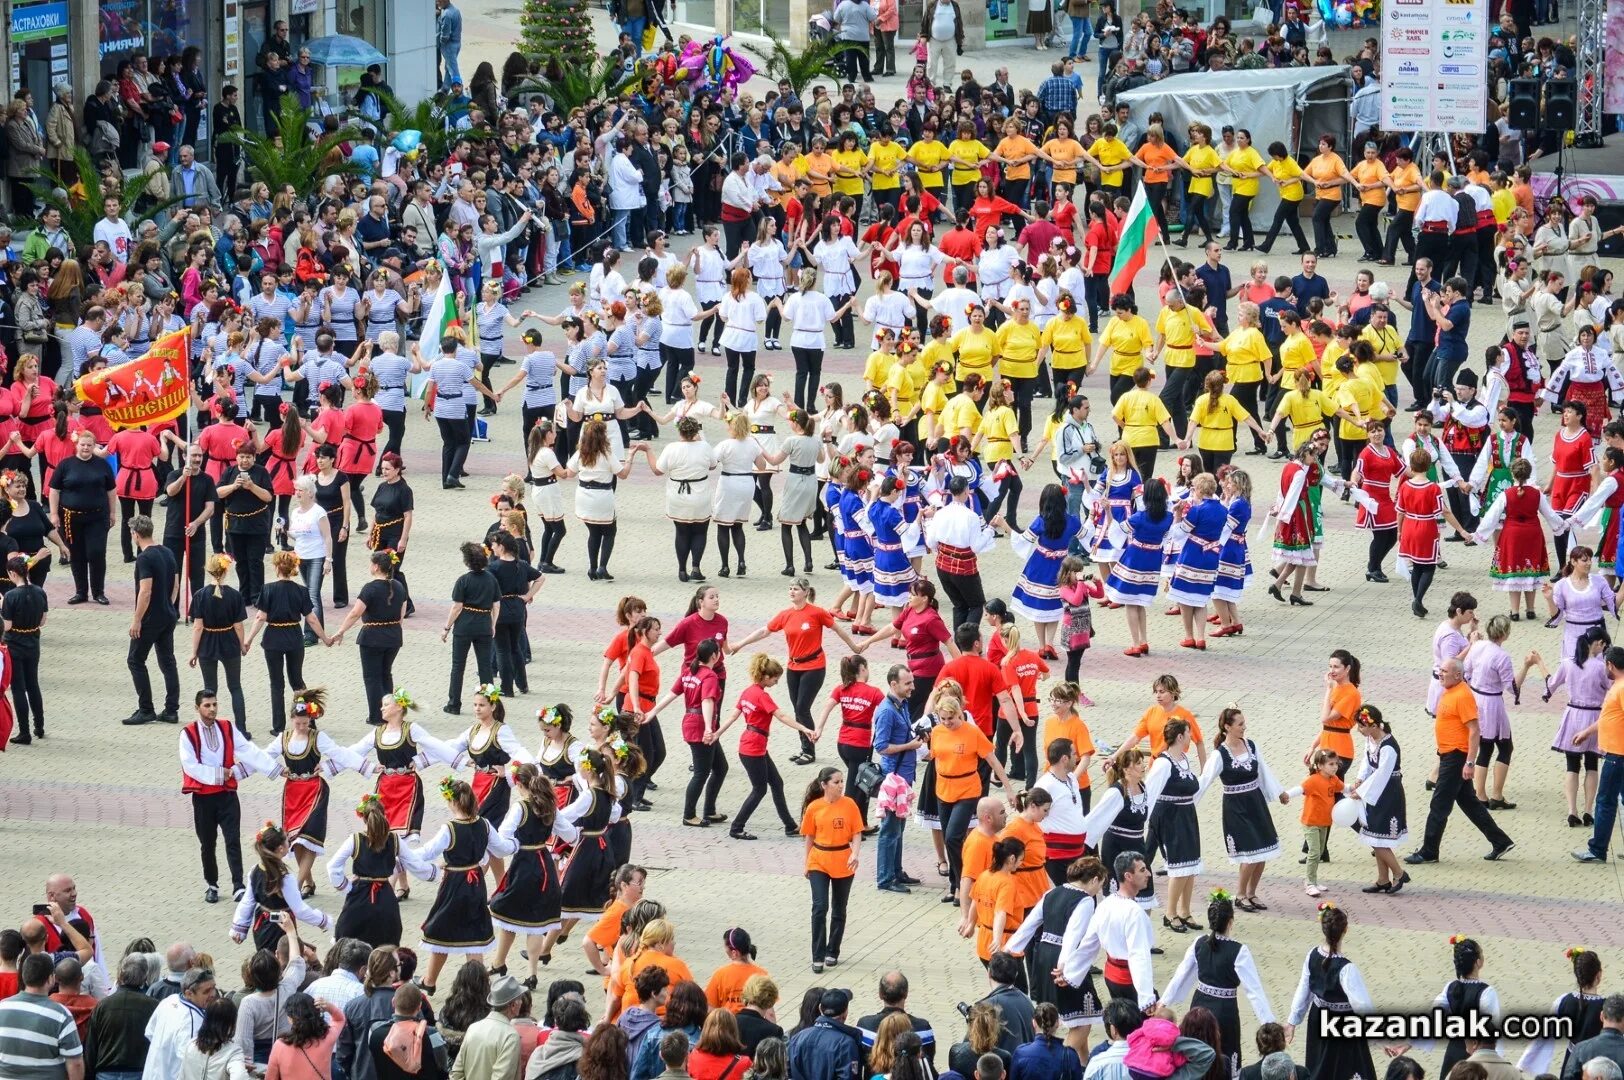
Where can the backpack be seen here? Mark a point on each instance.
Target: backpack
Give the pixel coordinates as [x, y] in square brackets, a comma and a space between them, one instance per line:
[404, 1045]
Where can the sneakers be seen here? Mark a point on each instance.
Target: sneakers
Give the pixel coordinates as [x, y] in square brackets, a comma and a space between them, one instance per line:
[1313, 890]
[1584, 854]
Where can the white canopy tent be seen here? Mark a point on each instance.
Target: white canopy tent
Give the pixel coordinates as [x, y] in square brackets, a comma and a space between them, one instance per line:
[1293, 105]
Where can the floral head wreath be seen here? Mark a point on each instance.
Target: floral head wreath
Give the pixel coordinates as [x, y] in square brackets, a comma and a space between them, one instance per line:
[942, 367]
[1066, 303]
[1574, 951]
[404, 699]
[305, 707]
[394, 556]
[584, 765]
[1326, 905]
[549, 716]
[1218, 894]
[1456, 939]
[259, 837]
[606, 715]
[365, 803]
[619, 748]
[448, 788]
[489, 691]
[694, 379]
[1363, 715]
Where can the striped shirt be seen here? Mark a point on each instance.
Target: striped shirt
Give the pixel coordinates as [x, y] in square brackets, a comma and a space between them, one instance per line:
[37, 1036]
[648, 353]
[381, 312]
[449, 375]
[339, 306]
[319, 368]
[306, 327]
[391, 371]
[274, 308]
[267, 355]
[540, 379]
[239, 371]
[82, 341]
[622, 360]
[490, 319]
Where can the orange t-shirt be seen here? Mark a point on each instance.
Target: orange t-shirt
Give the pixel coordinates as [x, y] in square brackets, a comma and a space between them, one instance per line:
[976, 856]
[1021, 671]
[605, 933]
[1071, 728]
[1030, 878]
[1014, 146]
[1154, 720]
[1337, 735]
[1371, 172]
[646, 959]
[991, 894]
[958, 753]
[1610, 732]
[803, 635]
[1156, 159]
[726, 987]
[1404, 176]
[641, 660]
[831, 827]
[1456, 709]
[1319, 792]
[1323, 169]
[619, 647]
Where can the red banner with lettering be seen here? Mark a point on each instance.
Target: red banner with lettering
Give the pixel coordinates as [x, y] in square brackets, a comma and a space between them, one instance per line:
[149, 390]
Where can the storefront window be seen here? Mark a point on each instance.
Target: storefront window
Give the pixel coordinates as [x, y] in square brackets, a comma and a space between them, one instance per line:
[177, 25]
[697, 12]
[39, 50]
[123, 31]
[1006, 19]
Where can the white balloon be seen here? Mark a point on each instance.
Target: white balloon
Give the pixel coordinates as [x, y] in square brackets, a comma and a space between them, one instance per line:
[1345, 812]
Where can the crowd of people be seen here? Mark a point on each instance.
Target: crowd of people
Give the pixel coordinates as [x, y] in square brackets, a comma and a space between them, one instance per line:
[972, 230]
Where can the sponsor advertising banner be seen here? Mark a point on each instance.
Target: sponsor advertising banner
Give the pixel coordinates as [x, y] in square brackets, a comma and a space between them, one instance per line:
[1434, 65]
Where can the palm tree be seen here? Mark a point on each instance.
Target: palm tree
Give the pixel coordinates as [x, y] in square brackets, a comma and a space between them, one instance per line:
[79, 216]
[289, 156]
[427, 118]
[577, 84]
[803, 68]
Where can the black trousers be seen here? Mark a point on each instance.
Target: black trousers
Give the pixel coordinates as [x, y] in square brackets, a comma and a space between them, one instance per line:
[460, 644]
[509, 648]
[87, 553]
[220, 813]
[1324, 235]
[340, 576]
[677, 363]
[710, 769]
[286, 667]
[803, 687]
[1247, 394]
[162, 642]
[965, 594]
[1364, 227]
[734, 234]
[1025, 764]
[764, 777]
[853, 756]
[1454, 790]
[248, 552]
[455, 438]
[377, 678]
[808, 370]
[829, 896]
[1156, 195]
[1400, 230]
[1144, 459]
[651, 741]
[1381, 542]
[1462, 257]
[26, 697]
[1285, 214]
[1178, 396]
[741, 368]
[956, 819]
[128, 508]
[395, 423]
[1240, 223]
[191, 561]
[1097, 293]
[232, 666]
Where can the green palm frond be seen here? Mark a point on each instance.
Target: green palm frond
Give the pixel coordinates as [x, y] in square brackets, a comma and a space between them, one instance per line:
[427, 117]
[578, 84]
[79, 218]
[802, 68]
[289, 155]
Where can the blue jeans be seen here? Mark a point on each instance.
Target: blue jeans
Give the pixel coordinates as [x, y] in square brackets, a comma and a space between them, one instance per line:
[617, 228]
[561, 243]
[448, 57]
[1074, 505]
[1107, 59]
[679, 216]
[888, 864]
[634, 27]
[1082, 31]
[312, 571]
[1609, 789]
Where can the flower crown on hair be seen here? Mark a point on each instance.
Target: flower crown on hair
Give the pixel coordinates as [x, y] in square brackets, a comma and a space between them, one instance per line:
[549, 715]
[619, 748]
[306, 707]
[1456, 939]
[448, 788]
[1218, 894]
[584, 765]
[365, 803]
[1363, 715]
[403, 698]
[394, 556]
[694, 379]
[489, 691]
[259, 837]
[1066, 303]
[606, 715]
[1574, 951]
[1326, 905]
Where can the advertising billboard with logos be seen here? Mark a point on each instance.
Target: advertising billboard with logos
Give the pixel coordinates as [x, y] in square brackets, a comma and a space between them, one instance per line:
[1435, 65]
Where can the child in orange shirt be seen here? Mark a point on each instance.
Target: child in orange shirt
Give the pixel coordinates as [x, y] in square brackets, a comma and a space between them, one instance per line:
[1022, 668]
[1065, 723]
[1155, 718]
[1319, 793]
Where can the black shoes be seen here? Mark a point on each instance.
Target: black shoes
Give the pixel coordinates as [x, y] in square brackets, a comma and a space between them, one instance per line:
[140, 716]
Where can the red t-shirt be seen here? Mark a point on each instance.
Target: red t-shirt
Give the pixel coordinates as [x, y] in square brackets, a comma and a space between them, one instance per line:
[641, 660]
[996, 649]
[803, 634]
[857, 704]
[1037, 237]
[982, 681]
[697, 687]
[923, 634]
[1099, 238]
[1065, 218]
[757, 707]
[964, 245]
[1021, 670]
[8, 984]
[691, 630]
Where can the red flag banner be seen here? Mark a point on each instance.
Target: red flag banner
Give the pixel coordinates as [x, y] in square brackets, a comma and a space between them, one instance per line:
[150, 390]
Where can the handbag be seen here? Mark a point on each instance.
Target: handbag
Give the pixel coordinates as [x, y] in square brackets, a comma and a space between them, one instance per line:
[869, 778]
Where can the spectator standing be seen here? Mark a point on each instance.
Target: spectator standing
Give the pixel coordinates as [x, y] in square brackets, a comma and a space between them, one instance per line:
[38, 1038]
[388, 1044]
[115, 1037]
[448, 39]
[854, 26]
[490, 1047]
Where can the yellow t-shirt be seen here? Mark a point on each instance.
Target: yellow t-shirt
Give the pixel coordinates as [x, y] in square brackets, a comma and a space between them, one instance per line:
[1503, 202]
[901, 388]
[1017, 146]
[878, 367]
[1288, 174]
[960, 416]
[932, 402]
[1066, 153]
[998, 430]
[1215, 425]
[1111, 152]
[1178, 334]
[1126, 339]
[937, 351]
[1017, 346]
[1139, 414]
[968, 150]
[1247, 160]
[1296, 353]
[1306, 412]
[853, 160]
[1247, 353]
[1388, 341]
[929, 157]
[886, 155]
[1364, 395]
[1201, 157]
[974, 349]
[1069, 339]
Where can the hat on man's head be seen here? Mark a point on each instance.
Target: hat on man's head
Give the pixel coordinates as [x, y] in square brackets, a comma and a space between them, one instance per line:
[505, 990]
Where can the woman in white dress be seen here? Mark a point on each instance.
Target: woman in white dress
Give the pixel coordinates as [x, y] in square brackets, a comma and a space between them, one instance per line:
[686, 465]
[887, 309]
[690, 404]
[809, 312]
[738, 457]
[677, 330]
[710, 285]
[764, 411]
[768, 261]
[994, 273]
[834, 254]
[599, 400]
[742, 313]
[598, 468]
[917, 263]
[546, 499]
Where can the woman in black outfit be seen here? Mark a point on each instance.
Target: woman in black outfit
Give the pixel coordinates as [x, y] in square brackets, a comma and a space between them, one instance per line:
[218, 639]
[29, 526]
[392, 524]
[519, 582]
[471, 623]
[83, 501]
[23, 610]
[333, 495]
[193, 92]
[245, 501]
[378, 607]
[284, 606]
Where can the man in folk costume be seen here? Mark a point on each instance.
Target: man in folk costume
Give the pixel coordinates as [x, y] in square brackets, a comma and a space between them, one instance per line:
[1520, 366]
[1465, 429]
[213, 757]
[1122, 929]
[957, 534]
[1491, 474]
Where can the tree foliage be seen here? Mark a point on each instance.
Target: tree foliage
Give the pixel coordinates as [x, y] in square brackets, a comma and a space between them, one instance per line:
[802, 68]
[290, 156]
[79, 216]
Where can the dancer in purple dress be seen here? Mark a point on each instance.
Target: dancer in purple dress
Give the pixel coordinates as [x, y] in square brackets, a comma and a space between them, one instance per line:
[1579, 599]
[1492, 677]
[1584, 673]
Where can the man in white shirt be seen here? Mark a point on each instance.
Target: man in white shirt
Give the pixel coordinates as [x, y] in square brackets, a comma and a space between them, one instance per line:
[1063, 829]
[175, 1022]
[463, 211]
[625, 191]
[343, 983]
[213, 757]
[1120, 927]
[1435, 221]
[957, 534]
[739, 201]
[764, 183]
[955, 301]
[114, 230]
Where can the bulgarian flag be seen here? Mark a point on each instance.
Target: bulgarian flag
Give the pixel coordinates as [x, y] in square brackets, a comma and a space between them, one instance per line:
[438, 315]
[1139, 231]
